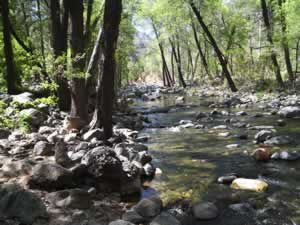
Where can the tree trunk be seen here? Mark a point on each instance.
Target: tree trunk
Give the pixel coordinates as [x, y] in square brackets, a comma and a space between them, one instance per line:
[78, 91]
[41, 33]
[265, 14]
[112, 19]
[203, 60]
[215, 46]
[284, 43]
[59, 31]
[11, 75]
[178, 62]
[165, 69]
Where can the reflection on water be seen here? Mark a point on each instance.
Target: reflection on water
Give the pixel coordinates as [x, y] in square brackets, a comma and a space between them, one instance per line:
[192, 160]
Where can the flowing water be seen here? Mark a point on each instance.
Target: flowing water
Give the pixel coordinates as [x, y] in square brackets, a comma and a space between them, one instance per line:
[193, 159]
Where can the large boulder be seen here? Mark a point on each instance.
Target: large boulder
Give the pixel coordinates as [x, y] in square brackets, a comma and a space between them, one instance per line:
[261, 154]
[279, 140]
[71, 198]
[33, 116]
[96, 133]
[289, 112]
[205, 211]
[49, 176]
[120, 222]
[263, 135]
[43, 148]
[249, 184]
[102, 162]
[23, 98]
[16, 203]
[149, 208]
[12, 168]
[165, 219]
[285, 155]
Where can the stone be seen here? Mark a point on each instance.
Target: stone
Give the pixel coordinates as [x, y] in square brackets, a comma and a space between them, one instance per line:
[289, 112]
[12, 168]
[33, 116]
[71, 198]
[16, 136]
[4, 133]
[61, 156]
[226, 179]
[70, 137]
[46, 130]
[43, 148]
[82, 146]
[120, 222]
[96, 133]
[262, 154]
[281, 123]
[77, 156]
[278, 140]
[133, 217]
[241, 113]
[143, 157]
[129, 151]
[149, 170]
[16, 203]
[165, 219]
[149, 208]
[249, 184]
[221, 127]
[243, 208]
[200, 115]
[285, 155]
[263, 135]
[225, 134]
[23, 98]
[48, 176]
[103, 162]
[232, 146]
[205, 211]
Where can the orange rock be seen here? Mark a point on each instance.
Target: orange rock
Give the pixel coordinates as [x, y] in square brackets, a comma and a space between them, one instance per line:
[262, 154]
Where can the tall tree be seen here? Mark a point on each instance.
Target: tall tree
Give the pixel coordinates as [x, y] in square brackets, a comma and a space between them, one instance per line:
[11, 74]
[214, 44]
[59, 34]
[112, 18]
[265, 13]
[284, 42]
[79, 112]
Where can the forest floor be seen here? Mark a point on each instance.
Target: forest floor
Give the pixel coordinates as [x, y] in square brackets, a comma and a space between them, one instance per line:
[52, 176]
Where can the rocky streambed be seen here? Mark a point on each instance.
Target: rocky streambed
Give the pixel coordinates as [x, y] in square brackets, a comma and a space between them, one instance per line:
[196, 142]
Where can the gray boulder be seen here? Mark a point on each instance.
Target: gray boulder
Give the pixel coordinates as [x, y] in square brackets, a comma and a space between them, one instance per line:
[149, 208]
[289, 112]
[23, 98]
[120, 222]
[96, 133]
[263, 135]
[49, 176]
[133, 217]
[33, 116]
[16, 203]
[205, 211]
[279, 140]
[165, 219]
[102, 162]
[285, 155]
[43, 148]
[4, 133]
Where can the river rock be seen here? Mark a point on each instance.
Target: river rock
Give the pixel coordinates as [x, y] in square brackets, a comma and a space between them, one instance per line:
[149, 208]
[226, 179]
[96, 133]
[16, 203]
[72, 198]
[233, 146]
[102, 162]
[249, 184]
[43, 148]
[23, 98]
[165, 219]
[285, 155]
[4, 133]
[133, 217]
[12, 168]
[120, 222]
[289, 112]
[279, 140]
[33, 116]
[261, 154]
[241, 113]
[143, 157]
[263, 135]
[61, 155]
[205, 211]
[48, 176]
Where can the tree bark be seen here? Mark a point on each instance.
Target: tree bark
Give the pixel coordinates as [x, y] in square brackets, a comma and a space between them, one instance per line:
[78, 90]
[11, 74]
[215, 46]
[112, 19]
[265, 13]
[59, 30]
[176, 52]
[284, 43]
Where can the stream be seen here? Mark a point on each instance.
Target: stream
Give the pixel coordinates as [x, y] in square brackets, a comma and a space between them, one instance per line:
[193, 159]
